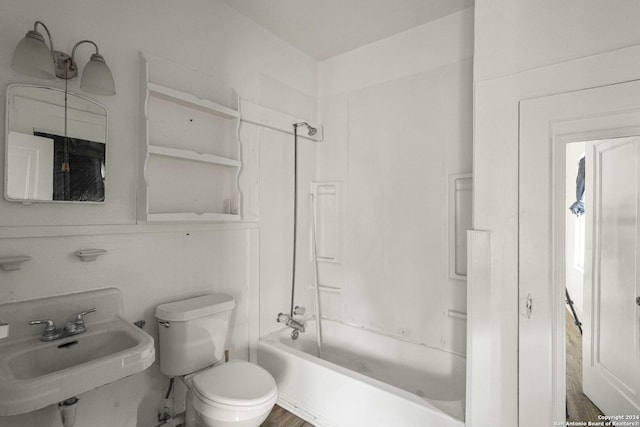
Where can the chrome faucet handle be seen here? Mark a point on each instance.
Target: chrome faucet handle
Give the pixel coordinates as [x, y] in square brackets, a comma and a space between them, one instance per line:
[50, 325]
[50, 332]
[79, 321]
[80, 316]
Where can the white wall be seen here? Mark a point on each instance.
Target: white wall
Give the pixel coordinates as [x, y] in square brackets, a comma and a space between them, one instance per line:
[426, 47]
[516, 36]
[151, 264]
[397, 116]
[508, 36]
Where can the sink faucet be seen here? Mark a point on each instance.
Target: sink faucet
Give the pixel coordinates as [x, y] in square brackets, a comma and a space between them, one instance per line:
[75, 327]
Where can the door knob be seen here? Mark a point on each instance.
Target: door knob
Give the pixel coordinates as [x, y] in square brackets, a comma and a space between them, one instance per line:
[529, 306]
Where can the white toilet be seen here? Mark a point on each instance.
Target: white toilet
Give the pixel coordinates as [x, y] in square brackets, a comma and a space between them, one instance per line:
[192, 338]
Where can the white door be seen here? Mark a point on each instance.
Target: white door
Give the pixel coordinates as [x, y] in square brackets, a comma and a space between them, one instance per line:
[546, 125]
[29, 167]
[611, 368]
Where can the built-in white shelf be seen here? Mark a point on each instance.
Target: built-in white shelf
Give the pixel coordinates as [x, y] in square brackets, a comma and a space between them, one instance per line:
[191, 101]
[192, 217]
[190, 153]
[178, 153]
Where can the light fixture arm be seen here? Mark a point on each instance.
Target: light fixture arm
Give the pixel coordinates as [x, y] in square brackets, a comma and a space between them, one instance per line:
[73, 52]
[66, 67]
[35, 29]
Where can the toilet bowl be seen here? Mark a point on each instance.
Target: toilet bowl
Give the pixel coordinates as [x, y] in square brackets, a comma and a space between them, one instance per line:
[192, 334]
[235, 394]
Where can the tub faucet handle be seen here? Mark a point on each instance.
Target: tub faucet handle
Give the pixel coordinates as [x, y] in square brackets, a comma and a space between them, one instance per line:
[299, 311]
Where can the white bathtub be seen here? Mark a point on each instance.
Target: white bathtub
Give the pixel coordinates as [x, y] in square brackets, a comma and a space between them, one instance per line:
[364, 379]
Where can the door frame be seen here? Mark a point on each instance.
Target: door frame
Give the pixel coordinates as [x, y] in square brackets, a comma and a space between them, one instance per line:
[557, 119]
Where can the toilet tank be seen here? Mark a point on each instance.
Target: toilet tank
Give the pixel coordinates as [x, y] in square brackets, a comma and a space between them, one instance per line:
[192, 333]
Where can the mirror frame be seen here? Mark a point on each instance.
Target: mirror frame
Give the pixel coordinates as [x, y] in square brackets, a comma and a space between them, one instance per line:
[6, 146]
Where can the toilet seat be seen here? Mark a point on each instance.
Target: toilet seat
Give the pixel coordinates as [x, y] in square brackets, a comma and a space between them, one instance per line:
[236, 383]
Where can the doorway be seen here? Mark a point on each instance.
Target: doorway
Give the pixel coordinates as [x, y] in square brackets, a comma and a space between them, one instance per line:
[579, 406]
[606, 116]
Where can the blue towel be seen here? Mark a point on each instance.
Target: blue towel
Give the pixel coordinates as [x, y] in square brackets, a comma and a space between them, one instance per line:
[577, 208]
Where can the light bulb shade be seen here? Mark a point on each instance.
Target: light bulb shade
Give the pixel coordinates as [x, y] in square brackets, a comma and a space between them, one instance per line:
[33, 58]
[97, 78]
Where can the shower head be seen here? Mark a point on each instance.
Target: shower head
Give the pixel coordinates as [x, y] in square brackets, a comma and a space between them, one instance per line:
[310, 129]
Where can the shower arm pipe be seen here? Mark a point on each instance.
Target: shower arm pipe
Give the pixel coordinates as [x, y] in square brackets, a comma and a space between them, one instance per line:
[295, 216]
[311, 131]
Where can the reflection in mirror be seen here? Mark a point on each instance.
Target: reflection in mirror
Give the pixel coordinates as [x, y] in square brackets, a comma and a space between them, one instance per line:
[46, 160]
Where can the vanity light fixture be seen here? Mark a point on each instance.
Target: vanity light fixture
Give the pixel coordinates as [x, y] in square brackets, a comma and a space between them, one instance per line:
[32, 57]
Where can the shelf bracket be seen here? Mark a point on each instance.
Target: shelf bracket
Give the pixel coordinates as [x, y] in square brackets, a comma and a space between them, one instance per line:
[13, 262]
[87, 255]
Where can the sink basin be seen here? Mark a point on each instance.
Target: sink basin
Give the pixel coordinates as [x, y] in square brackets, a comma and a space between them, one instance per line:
[35, 374]
[36, 361]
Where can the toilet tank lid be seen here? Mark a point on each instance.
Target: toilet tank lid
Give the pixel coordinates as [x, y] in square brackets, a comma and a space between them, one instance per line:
[193, 308]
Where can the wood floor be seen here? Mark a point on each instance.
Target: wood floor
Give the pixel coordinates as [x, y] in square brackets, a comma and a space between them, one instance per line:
[579, 407]
[280, 417]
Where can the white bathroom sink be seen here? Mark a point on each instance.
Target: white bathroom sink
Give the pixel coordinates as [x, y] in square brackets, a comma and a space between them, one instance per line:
[35, 374]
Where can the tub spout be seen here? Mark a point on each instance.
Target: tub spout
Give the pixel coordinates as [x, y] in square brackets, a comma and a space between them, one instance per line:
[298, 326]
[290, 322]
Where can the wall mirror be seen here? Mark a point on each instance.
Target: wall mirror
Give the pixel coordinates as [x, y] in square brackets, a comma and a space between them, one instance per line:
[55, 146]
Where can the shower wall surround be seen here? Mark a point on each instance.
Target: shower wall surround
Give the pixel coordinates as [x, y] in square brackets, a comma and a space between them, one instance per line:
[151, 264]
[393, 138]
